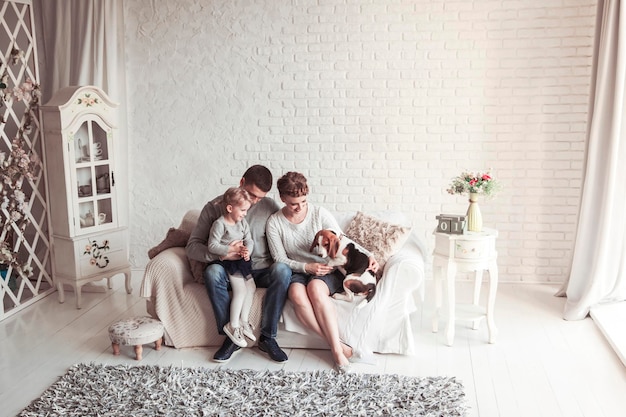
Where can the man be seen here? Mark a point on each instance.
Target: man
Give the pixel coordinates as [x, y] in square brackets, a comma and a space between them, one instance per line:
[257, 181]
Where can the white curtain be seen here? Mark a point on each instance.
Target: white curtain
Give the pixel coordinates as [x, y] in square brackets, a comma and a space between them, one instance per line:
[81, 42]
[598, 273]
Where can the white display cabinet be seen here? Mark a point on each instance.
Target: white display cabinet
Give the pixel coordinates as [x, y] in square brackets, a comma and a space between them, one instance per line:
[89, 239]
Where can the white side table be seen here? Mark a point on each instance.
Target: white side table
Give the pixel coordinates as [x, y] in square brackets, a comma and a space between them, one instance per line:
[469, 252]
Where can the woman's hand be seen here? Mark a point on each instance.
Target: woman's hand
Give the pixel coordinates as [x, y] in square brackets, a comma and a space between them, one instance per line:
[318, 269]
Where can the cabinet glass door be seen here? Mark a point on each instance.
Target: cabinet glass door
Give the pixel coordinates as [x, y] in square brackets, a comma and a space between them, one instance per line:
[93, 176]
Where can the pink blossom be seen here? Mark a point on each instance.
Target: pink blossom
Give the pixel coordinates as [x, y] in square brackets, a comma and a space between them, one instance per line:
[15, 216]
[19, 195]
[18, 93]
[28, 85]
[24, 92]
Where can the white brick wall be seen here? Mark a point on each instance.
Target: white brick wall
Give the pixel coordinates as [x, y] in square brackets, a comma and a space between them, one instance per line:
[379, 103]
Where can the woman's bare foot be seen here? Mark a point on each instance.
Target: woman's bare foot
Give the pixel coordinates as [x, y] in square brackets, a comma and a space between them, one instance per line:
[347, 350]
[342, 364]
[341, 360]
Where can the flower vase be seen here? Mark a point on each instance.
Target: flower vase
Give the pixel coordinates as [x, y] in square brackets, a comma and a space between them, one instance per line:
[4, 273]
[474, 218]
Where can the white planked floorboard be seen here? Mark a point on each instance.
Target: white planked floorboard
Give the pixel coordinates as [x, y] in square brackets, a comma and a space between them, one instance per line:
[540, 365]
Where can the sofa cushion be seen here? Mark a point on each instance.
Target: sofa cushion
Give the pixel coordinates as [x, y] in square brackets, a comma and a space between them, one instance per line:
[378, 236]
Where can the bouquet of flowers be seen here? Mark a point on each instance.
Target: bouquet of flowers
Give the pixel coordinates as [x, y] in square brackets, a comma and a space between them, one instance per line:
[469, 182]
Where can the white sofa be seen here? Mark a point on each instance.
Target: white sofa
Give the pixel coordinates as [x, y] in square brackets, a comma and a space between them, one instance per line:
[383, 325]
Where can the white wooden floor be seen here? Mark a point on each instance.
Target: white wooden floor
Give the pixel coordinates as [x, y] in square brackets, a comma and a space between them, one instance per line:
[610, 318]
[541, 365]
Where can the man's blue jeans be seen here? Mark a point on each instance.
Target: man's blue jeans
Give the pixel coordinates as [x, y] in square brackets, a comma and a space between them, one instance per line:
[276, 279]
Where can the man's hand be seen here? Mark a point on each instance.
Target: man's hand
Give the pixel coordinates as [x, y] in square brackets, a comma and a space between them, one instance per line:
[234, 249]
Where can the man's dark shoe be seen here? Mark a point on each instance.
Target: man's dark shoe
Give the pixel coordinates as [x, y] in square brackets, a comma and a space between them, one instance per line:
[269, 346]
[224, 353]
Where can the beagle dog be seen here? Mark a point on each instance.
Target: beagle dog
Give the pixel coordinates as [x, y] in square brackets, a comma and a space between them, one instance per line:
[352, 262]
[326, 245]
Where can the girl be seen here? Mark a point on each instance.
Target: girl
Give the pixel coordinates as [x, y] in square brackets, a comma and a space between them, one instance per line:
[232, 227]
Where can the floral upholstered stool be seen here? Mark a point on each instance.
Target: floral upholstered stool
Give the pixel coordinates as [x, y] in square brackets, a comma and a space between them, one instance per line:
[136, 331]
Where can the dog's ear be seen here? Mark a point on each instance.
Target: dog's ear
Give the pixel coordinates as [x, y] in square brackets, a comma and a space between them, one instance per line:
[315, 240]
[333, 245]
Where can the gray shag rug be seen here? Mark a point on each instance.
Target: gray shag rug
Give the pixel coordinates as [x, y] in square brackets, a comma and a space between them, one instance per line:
[122, 390]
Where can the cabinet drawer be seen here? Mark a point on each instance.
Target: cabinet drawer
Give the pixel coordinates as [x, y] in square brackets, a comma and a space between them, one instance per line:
[471, 249]
[102, 251]
[107, 260]
[111, 241]
[469, 246]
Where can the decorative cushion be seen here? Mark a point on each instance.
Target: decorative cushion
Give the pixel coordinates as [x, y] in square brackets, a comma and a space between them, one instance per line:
[178, 238]
[381, 238]
[173, 238]
[136, 331]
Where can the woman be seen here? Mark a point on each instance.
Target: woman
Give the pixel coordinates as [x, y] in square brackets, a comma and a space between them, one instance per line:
[290, 232]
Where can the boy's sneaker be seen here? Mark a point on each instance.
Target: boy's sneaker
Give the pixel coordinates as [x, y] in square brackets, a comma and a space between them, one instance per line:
[235, 334]
[248, 330]
[227, 350]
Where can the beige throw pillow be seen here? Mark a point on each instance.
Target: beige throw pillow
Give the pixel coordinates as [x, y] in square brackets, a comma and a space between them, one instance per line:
[381, 238]
[178, 238]
[174, 238]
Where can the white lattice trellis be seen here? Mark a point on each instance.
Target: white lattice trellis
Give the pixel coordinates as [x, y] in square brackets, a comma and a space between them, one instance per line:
[19, 120]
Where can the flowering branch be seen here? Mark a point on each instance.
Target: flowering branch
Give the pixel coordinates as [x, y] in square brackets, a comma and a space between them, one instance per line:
[16, 55]
[17, 166]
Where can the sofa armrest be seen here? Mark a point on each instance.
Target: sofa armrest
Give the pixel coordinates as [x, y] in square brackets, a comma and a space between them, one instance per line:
[408, 266]
[409, 273]
[189, 221]
[170, 268]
